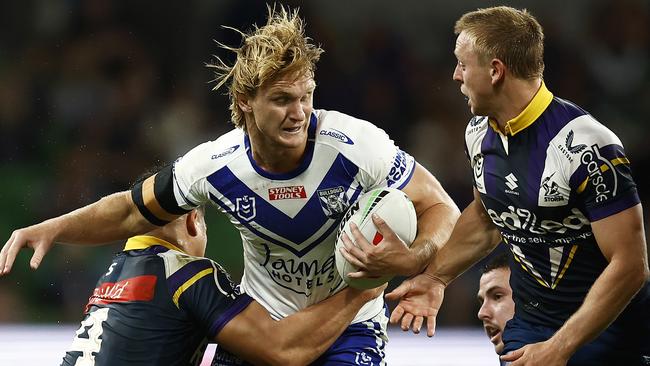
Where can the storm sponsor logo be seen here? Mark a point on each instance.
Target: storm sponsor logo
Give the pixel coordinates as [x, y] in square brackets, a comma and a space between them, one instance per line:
[511, 183]
[598, 169]
[523, 219]
[337, 135]
[568, 149]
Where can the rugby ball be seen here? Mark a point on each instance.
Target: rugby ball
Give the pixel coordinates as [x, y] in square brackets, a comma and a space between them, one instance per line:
[395, 208]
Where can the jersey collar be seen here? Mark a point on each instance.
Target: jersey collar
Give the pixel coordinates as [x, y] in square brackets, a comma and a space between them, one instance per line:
[530, 114]
[146, 241]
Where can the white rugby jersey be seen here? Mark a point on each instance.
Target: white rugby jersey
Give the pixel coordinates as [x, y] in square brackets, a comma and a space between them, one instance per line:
[288, 221]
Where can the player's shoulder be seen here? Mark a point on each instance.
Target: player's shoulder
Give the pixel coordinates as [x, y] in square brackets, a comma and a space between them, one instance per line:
[582, 132]
[476, 126]
[190, 265]
[345, 132]
[214, 154]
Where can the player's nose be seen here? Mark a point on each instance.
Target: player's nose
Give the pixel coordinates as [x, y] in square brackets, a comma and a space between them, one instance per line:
[484, 312]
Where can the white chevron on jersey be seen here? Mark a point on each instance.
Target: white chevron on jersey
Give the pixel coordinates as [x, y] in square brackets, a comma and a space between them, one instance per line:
[289, 239]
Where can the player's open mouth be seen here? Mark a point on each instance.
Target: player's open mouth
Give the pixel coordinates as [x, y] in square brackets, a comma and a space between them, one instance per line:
[493, 333]
[292, 129]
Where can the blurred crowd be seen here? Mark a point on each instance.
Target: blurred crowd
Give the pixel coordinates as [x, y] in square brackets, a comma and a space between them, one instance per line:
[94, 92]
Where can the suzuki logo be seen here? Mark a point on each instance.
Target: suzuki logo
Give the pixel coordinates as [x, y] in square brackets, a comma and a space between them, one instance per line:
[511, 181]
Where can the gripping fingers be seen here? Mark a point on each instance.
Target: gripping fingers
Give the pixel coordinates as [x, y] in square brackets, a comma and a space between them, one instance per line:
[3, 255]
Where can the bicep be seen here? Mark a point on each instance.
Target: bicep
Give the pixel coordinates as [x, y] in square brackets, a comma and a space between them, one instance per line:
[426, 191]
[621, 235]
[249, 334]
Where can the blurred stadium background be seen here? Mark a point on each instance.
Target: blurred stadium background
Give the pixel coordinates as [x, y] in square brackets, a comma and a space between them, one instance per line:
[94, 92]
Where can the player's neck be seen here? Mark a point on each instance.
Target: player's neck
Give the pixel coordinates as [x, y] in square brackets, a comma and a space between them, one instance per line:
[513, 99]
[276, 159]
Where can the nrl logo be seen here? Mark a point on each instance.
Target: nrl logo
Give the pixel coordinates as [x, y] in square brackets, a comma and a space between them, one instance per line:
[573, 149]
[245, 208]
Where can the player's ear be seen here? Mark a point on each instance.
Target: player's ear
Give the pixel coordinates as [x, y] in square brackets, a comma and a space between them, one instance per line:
[243, 102]
[191, 223]
[497, 70]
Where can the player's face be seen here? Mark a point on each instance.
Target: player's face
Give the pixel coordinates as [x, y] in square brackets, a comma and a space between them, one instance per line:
[280, 111]
[473, 75]
[497, 307]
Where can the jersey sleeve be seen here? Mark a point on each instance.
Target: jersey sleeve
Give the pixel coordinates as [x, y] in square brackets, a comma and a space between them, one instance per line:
[601, 176]
[204, 290]
[176, 189]
[381, 162]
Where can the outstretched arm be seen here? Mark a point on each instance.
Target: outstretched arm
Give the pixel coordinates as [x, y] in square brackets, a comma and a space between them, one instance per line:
[621, 239]
[113, 217]
[297, 339]
[473, 237]
[437, 213]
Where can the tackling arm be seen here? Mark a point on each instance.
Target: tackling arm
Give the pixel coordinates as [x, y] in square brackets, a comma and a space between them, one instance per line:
[297, 339]
[113, 217]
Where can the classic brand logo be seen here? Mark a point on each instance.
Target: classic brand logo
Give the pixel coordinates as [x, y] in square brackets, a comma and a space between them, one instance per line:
[228, 151]
[245, 208]
[338, 135]
[286, 193]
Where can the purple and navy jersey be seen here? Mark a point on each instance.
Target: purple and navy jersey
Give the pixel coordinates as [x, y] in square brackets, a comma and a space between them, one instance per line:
[154, 306]
[287, 221]
[554, 171]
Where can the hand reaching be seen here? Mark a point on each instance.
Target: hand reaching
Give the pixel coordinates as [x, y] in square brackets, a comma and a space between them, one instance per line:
[541, 354]
[39, 237]
[421, 298]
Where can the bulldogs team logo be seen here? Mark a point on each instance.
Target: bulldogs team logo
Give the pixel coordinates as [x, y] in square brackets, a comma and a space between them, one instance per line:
[333, 201]
[245, 208]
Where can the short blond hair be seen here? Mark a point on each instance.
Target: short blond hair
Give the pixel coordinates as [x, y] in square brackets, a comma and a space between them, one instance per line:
[513, 36]
[278, 48]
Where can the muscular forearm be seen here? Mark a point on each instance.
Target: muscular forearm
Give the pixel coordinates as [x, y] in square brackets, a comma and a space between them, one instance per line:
[605, 300]
[309, 333]
[435, 226]
[113, 217]
[473, 237]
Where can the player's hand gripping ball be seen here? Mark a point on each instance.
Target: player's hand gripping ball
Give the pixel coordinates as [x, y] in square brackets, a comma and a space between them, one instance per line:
[395, 208]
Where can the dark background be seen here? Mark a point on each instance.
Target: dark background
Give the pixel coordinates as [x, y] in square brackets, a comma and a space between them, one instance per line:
[94, 92]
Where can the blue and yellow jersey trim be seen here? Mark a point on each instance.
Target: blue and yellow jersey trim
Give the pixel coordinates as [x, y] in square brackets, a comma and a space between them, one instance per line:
[530, 114]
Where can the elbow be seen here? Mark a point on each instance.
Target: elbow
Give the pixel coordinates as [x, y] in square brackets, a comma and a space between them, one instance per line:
[287, 359]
